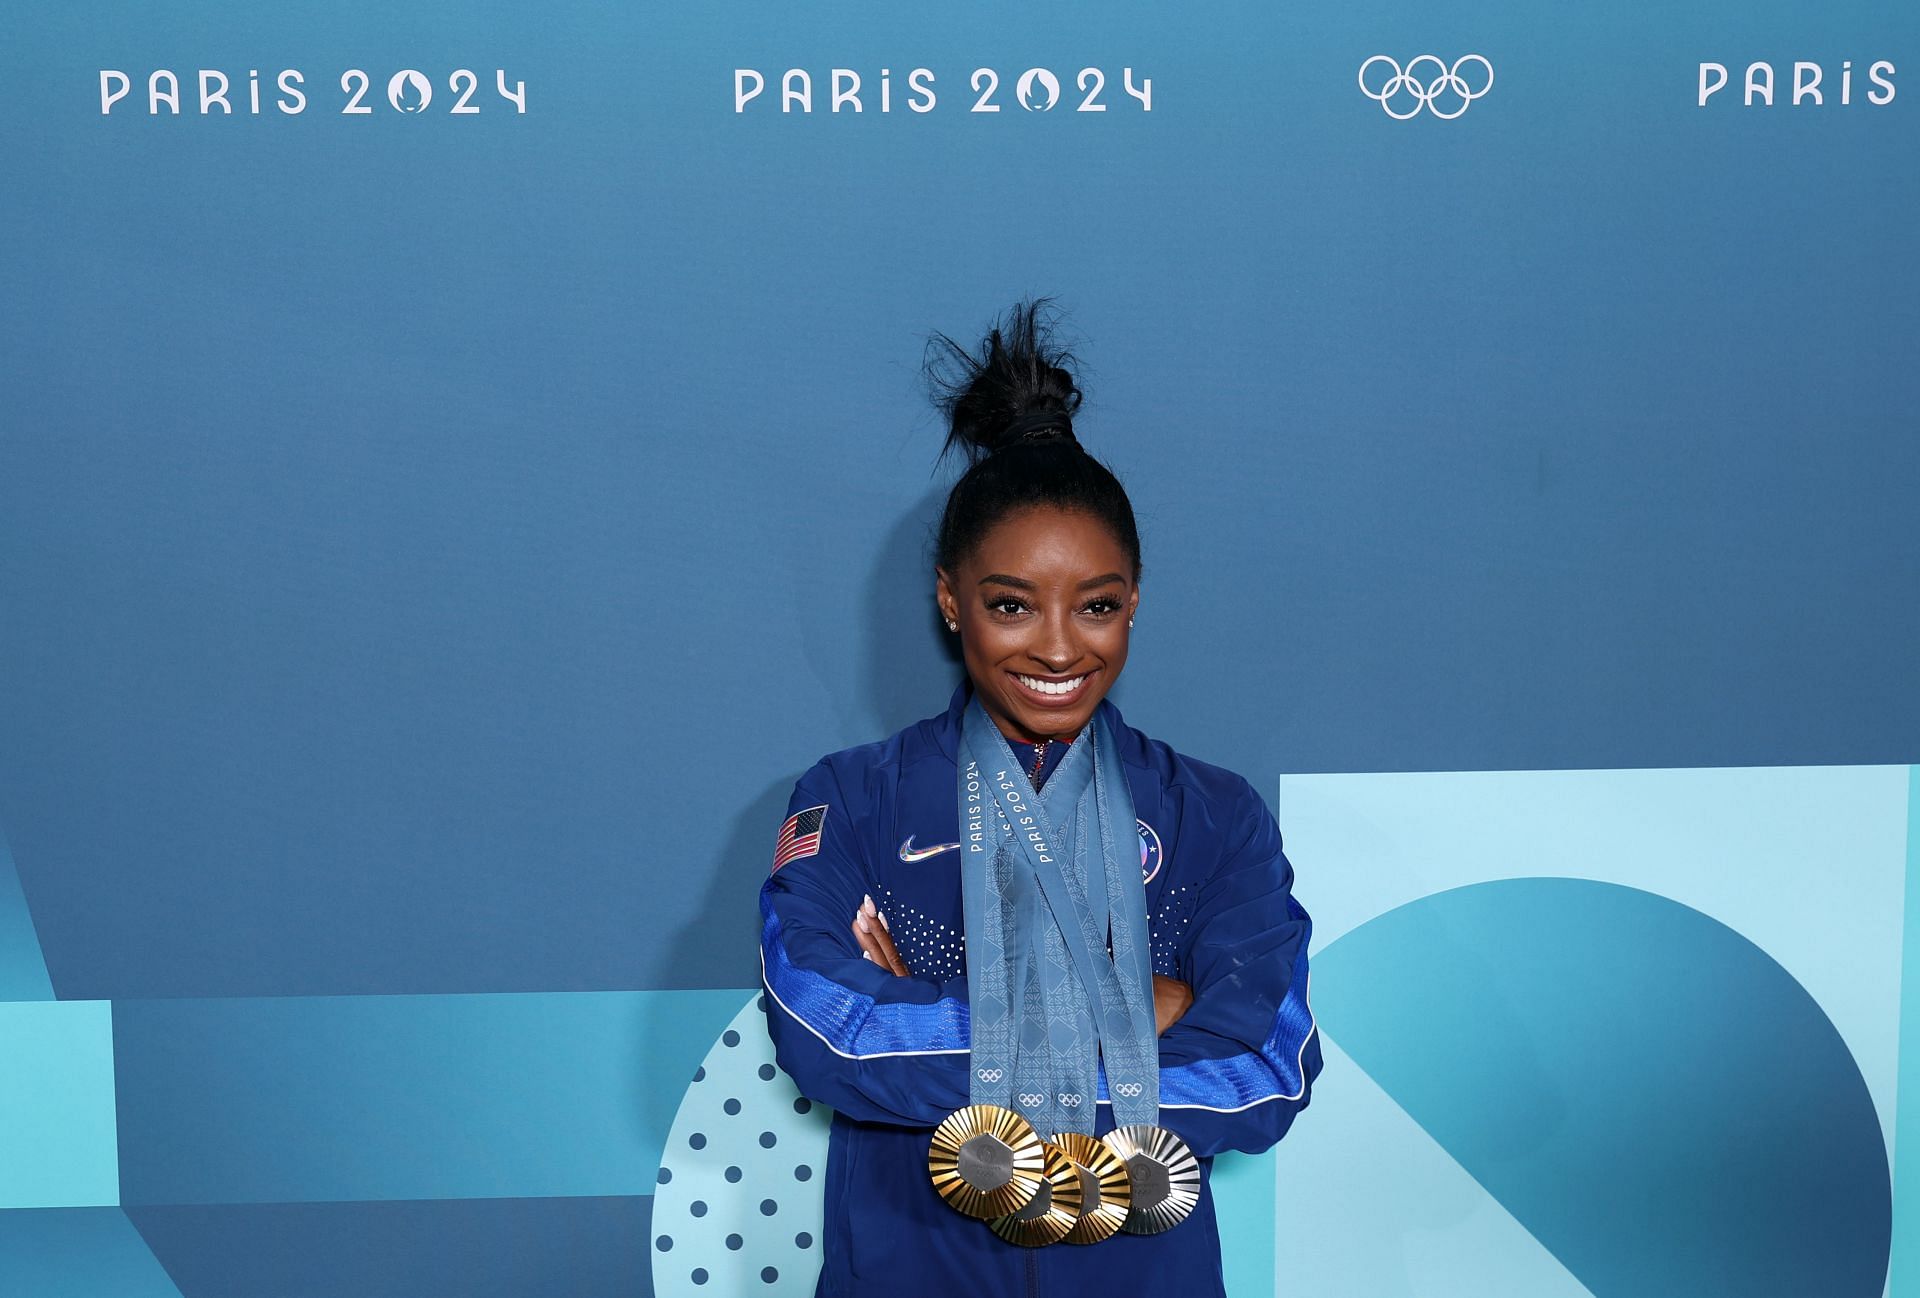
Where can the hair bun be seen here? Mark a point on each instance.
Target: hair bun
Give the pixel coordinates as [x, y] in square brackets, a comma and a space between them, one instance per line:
[1016, 388]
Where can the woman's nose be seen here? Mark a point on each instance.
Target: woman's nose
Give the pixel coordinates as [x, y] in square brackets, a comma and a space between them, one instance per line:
[1055, 646]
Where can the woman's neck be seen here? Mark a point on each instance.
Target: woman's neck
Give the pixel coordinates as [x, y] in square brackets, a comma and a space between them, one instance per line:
[1014, 735]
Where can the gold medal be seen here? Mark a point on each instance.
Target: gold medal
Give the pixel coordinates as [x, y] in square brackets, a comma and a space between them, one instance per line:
[1164, 1173]
[1106, 1191]
[986, 1161]
[1053, 1211]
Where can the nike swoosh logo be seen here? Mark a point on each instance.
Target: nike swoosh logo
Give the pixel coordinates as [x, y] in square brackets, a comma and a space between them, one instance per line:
[909, 853]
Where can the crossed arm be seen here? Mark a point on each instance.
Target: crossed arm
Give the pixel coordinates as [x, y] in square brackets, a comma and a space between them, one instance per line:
[1171, 997]
[861, 1032]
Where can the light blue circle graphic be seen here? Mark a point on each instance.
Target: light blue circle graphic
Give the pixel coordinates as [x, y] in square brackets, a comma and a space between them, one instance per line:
[738, 1208]
[1653, 1096]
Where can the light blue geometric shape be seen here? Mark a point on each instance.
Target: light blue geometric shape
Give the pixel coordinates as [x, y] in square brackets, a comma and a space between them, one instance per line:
[1904, 1277]
[1244, 1190]
[1650, 1094]
[23, 971]
[741, 1139]
[77, 1253]
[1370, 1204]
[57, 1146]
[312, 1099]
[1807, 862]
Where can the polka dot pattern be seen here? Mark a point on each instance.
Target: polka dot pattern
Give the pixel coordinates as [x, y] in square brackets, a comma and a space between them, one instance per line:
[1167, 929]
[933, 948]
[742, 1155]
[927, 945]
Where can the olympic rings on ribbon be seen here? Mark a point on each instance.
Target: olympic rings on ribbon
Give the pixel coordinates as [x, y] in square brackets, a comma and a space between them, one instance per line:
[1425, 91]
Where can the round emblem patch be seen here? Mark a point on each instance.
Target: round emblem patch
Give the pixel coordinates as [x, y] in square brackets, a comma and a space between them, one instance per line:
[1151, 856]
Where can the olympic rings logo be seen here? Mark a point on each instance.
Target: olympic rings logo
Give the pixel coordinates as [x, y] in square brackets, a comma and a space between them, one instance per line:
[1070, 1099]
[991, 1074]
[1129, 1089]
[1445, 94]
[1032, 1101]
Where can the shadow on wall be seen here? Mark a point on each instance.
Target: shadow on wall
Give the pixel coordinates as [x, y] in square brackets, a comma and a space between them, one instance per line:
[911, 661]
[904, 668]
[724, 939]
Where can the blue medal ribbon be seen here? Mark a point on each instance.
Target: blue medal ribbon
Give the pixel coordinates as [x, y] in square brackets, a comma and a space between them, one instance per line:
[1051, 881]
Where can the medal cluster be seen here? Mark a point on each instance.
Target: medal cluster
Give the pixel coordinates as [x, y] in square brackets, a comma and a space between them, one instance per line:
[989, 1162]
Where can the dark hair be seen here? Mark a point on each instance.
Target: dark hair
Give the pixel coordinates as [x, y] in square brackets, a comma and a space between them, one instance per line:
[1009, 410]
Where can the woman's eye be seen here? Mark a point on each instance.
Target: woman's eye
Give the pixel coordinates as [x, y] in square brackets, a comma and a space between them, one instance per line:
[1006, 605]
[1104, 607]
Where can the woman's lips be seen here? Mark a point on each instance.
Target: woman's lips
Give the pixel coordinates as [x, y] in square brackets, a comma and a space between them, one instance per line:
[1052, 691]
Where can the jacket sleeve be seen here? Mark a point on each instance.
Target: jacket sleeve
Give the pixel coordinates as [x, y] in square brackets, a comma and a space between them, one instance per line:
[1240, 1063]
[852, 1035]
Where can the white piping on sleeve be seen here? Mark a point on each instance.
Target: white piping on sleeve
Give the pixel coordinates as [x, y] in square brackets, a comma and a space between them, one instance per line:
[1300, 1065]
[879, 1054]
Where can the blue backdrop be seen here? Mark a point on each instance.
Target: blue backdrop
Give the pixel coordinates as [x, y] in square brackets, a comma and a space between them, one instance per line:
[432, 541]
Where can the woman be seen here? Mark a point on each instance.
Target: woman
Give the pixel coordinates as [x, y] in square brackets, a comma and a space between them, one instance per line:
[897, 854]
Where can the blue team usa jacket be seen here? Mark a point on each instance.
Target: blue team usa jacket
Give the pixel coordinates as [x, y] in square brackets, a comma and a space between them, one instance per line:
[889, 1054]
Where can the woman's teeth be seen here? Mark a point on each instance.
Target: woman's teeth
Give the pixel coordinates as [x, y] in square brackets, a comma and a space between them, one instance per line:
[1039, 686]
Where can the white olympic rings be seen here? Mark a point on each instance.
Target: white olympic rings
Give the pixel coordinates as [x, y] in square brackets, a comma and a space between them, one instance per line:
[1426, 92]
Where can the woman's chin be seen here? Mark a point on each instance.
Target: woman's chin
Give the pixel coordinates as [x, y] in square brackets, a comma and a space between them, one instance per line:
[1040, 721]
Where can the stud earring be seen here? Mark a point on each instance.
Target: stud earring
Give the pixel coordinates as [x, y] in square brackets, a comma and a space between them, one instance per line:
[955, 626]
[1129, 624]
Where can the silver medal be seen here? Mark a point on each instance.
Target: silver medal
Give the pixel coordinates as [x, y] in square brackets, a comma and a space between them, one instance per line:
[1164, 1173]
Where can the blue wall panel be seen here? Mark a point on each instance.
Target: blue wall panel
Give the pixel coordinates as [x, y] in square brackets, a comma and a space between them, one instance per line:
[404, 1097]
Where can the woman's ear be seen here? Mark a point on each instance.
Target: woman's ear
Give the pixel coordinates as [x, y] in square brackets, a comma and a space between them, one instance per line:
[943, 596]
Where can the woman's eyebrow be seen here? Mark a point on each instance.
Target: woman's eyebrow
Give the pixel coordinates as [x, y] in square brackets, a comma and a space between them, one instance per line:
[1021, 583]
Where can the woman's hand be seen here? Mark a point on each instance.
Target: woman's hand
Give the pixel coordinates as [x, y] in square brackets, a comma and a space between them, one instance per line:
[876, 943]
[1171, 999]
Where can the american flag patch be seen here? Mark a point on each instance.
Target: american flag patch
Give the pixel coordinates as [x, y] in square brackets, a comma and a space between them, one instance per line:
[800, 836]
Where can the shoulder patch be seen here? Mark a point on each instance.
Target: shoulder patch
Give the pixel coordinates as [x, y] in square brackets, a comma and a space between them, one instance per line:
[800, 836]
[1152, 855]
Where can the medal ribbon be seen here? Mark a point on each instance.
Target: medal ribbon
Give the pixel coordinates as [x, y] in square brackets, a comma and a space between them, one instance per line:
[1049, 880]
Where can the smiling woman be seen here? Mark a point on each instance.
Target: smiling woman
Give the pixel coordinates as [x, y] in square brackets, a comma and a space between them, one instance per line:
[1041, 639]
[1091, 975]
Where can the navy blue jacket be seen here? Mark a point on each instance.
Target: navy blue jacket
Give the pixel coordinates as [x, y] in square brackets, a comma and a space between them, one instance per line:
[889, 1054]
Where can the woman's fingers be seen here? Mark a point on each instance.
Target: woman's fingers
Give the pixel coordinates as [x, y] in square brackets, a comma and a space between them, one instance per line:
[889, 956]
[879, 931]
[876, 943]
[863, 931]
